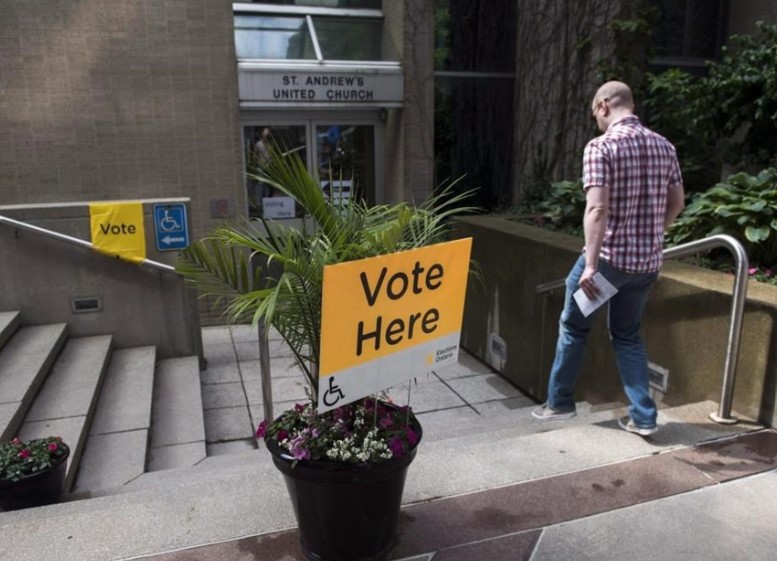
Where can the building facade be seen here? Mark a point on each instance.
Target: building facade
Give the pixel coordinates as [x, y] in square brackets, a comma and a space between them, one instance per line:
[149, 99]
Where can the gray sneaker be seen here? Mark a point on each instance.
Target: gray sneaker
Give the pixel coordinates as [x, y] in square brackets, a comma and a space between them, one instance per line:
[546, 413]
[627, 424]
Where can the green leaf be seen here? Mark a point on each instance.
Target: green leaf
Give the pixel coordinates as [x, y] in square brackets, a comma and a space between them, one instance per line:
[757, 234]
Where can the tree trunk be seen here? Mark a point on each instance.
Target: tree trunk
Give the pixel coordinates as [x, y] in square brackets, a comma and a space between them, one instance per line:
[562, 47]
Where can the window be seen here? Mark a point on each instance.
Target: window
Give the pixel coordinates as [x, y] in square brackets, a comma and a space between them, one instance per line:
[272, 38]
[315, 32]
[374, 4]
[689, 32]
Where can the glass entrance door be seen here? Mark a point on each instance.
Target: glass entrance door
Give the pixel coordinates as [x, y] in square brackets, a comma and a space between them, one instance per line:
[346, 161]
[292, 139]
[342, 153]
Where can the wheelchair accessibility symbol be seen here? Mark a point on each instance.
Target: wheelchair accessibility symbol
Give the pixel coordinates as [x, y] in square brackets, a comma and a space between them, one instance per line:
[333, 394]
[169, 223]
[171, 227]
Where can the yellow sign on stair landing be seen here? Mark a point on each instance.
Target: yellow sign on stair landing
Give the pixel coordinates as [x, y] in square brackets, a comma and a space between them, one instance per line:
[117, 229]
[387, 319]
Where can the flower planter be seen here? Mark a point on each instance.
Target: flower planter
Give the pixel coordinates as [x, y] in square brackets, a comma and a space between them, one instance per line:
[37, 489]
[345, 512]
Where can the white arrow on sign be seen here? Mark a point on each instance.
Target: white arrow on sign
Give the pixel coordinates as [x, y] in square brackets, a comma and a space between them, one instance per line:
[167, 240]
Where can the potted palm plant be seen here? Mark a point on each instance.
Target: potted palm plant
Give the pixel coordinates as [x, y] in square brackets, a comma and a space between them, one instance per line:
[344, 468]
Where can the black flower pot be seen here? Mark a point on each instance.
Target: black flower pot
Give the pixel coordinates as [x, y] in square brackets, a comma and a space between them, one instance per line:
[345, 512]
[37, 489]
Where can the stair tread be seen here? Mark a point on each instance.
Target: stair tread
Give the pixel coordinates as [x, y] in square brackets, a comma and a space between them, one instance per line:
[116, 449]
[71, 429]
[504, 416]
[24, 363]
[125, 400]
[112, 460]
[474, 462]
[72, 387]
[535, 449]
[9, 323]
[177, 415]
[65, 403]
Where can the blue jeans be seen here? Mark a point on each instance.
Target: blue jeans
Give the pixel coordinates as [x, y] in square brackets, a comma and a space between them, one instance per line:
[623, 321]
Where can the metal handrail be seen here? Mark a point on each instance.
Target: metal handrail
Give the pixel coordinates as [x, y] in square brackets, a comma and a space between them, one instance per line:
[75, 241]
[723, 415]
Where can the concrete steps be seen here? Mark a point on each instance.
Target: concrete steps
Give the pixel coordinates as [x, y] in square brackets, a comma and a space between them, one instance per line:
[25, 361]
[65, 403]
[116, 449]
[178, 424]
[535, 449]
[9, 323]
[222, 500]
[121, 412]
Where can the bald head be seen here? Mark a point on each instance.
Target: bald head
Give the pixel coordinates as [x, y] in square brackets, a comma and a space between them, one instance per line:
[612, 101]
[617, 94]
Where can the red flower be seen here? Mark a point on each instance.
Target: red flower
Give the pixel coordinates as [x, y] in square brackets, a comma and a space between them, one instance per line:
[412, 437]
[24, 453]
[53, 447]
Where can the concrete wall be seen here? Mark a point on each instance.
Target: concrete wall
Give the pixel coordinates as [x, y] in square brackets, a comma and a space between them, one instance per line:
[685, 325]
[140, 305]
[120, 100]
[744, 13]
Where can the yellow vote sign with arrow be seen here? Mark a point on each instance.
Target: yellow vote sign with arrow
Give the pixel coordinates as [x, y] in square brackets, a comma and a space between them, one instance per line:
[387, 319]
[117, 229]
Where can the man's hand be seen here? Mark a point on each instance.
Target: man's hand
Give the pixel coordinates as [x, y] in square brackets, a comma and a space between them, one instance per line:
[587, 283]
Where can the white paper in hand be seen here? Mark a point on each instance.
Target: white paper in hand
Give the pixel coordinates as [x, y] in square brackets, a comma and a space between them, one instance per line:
[606, 291]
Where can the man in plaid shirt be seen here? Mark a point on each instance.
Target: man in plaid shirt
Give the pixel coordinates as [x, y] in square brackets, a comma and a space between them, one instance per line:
[634, 191]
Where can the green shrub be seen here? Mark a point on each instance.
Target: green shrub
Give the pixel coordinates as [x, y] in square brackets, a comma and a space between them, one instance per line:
[561, 207]
[745, 207]
[678, 109]
[728, 116]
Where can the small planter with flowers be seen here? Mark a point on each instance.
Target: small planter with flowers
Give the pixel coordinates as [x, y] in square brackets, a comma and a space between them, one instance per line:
[344, 462]
[32, 472]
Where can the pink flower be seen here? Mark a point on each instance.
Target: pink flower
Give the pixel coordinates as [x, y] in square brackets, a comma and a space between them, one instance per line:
[52, 447]
[261, 430]
[24, 453]
[412, 437]
[16, 442]
[385, 422]
[300, 453]
[752, 270]
[395, 445]
[299, 408]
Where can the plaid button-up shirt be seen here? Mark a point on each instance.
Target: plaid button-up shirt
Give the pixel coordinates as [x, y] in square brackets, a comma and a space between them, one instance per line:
[638, 167]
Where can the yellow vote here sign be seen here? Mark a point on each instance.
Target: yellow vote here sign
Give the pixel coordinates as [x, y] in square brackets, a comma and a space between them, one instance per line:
[387, 319]
[117, 229]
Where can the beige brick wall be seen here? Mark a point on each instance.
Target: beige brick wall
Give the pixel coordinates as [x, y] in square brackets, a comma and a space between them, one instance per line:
[119, 100]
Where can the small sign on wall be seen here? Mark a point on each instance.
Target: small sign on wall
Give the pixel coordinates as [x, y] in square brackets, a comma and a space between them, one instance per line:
[278, 207]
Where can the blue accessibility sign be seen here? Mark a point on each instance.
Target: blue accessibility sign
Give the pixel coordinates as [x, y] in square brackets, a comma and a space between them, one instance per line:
[171, 226]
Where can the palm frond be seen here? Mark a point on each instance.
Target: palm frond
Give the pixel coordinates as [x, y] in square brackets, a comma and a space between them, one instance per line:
[273, 273]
